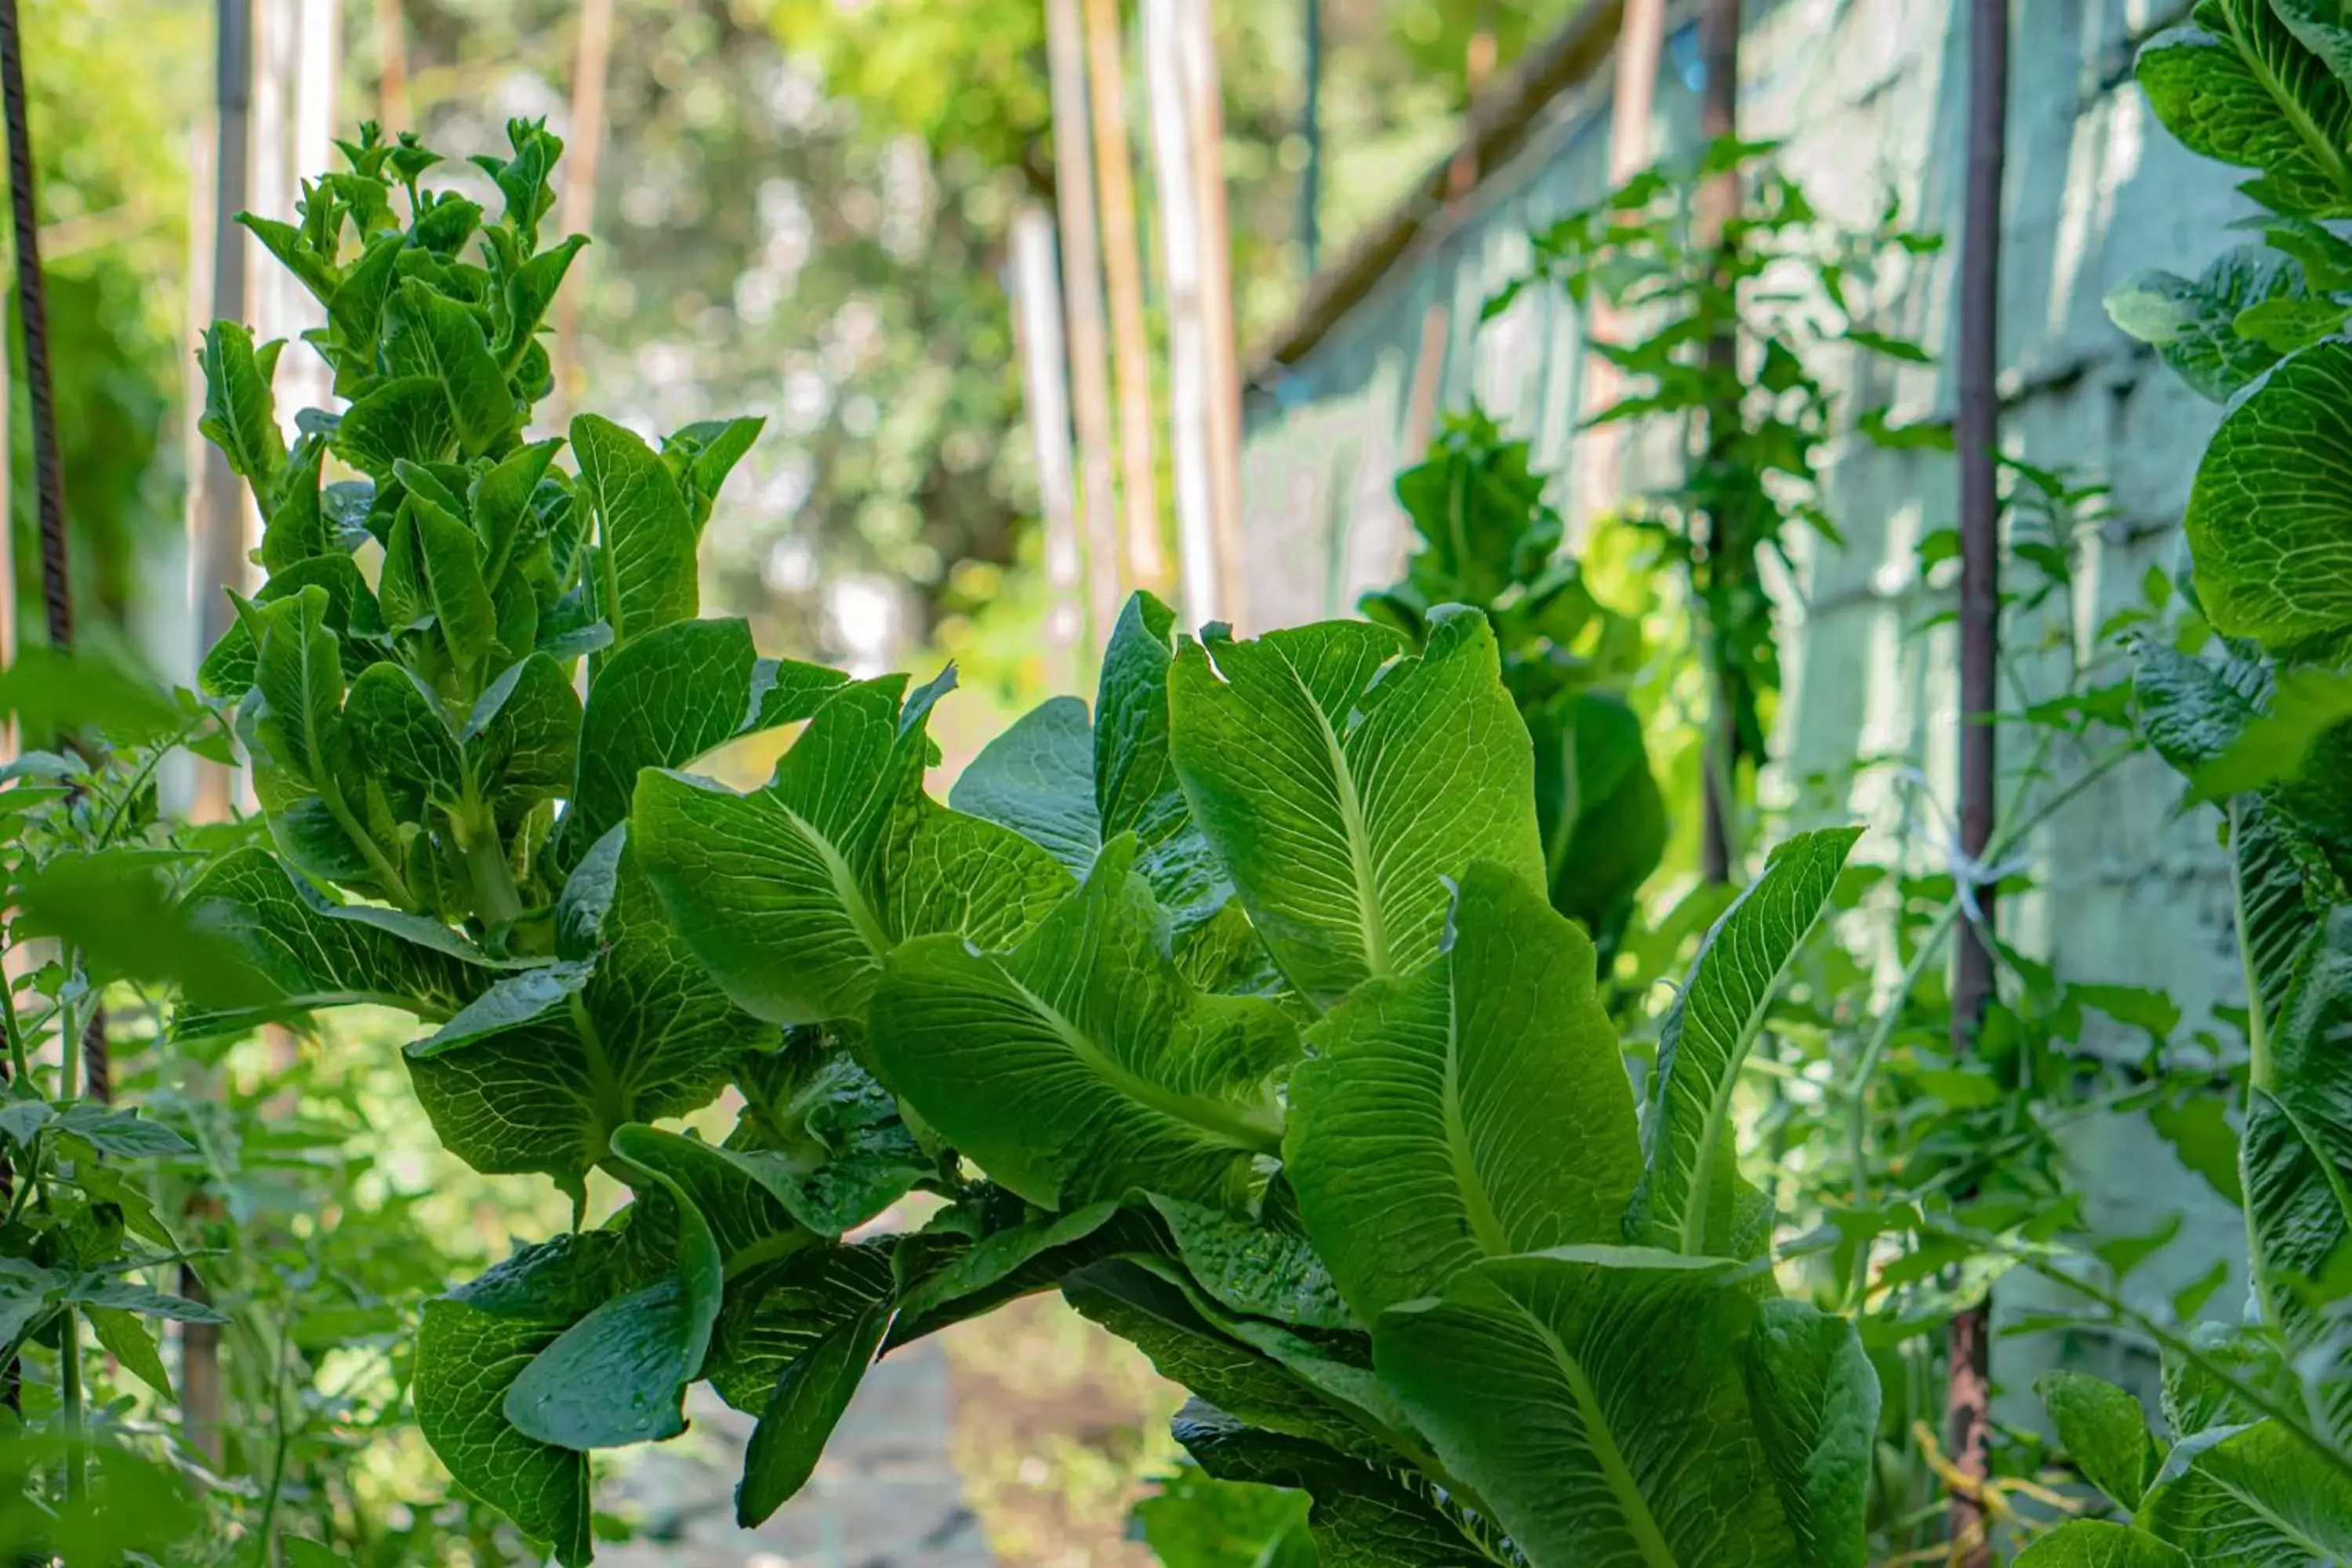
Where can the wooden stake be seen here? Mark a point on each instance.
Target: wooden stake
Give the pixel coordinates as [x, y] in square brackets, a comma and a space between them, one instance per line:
[1147, 564]
[1191, 395]
[1968, 1406]
[576, 209]
[1038, 322]
[1205, 126]
[1082, 302]
[391, 66]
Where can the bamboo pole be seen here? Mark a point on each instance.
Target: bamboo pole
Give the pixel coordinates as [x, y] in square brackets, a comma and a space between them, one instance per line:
[1968, 1406]
[1204, 125]
[576, 211]
[1082, 300]
[1037, 322]
[217, 562]
[1191, 411]
[391, 66]
[1147, 565]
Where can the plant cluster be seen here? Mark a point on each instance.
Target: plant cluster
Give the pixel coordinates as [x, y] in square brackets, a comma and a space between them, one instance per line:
[2243, 693]
[1236, 1007]
[1491, 542]
[1723, 333]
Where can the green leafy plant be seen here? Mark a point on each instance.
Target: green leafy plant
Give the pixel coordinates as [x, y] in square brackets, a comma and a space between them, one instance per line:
[1754, 422]
[1235, 1007]
[2240, 691]
[1489, 540]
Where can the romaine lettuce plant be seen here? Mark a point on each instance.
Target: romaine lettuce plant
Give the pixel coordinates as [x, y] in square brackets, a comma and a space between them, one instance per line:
[1235, 1007]
[1490, 540]
[2247, 700]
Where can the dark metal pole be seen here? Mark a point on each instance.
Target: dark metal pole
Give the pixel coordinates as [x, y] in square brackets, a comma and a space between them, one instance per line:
[1968, 1388]
[32, 306]
[1717, 204]
[1310, 178]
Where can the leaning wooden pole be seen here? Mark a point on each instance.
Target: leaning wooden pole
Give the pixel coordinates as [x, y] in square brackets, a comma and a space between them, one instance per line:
[590, 68]
[1147, 562]
[1968, 1405]
[1081, 306]
[1640, 41]
[1204, 131]
[1717, 204]
[1191, 411]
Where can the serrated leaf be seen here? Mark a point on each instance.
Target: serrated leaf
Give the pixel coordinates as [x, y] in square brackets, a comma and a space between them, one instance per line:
[123, 1135]
[1079, 1063]
[1688, 1193]
[1427, 1126]
[1585, 1393]
[2193, 324]
[794, 895]
[644, 536]
[2103, 1429]
[121, 1335]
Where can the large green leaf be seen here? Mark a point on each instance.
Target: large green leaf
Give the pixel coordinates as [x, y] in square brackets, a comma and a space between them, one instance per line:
[2296, 1162]
[1603, 818]
[794, 895]
[426, 333]
[666, 699]
[1427, 1129]
[2104, 1430]
[776, 1314]
[825, 1137]
[619, 1375]
[1815, 1403]
[449, 557]
[1080, 1065]
[643, 1034]
[807, 1404]
[471, 1347]
[1196, 1521]
[2256, 1495]
[950, 1281]
[1594, 1397]
[2099, 1543]
[1037, 778]
[1254, 1268]
[644, 537]
[403, 420]
[1362, 1516]
[402, 735]
[240, 416]
[1688, 1193]
[2268, 523]
[2236, 86]
[1158, 1317]
[319, 954]
[1343, 782]
[2193, 324]
[1135, 782]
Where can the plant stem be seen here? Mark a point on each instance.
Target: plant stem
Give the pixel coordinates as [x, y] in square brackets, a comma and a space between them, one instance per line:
[70, 1396]
[495, 895]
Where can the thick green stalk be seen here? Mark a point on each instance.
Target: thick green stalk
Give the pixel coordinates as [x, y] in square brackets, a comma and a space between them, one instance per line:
[70, 1396]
